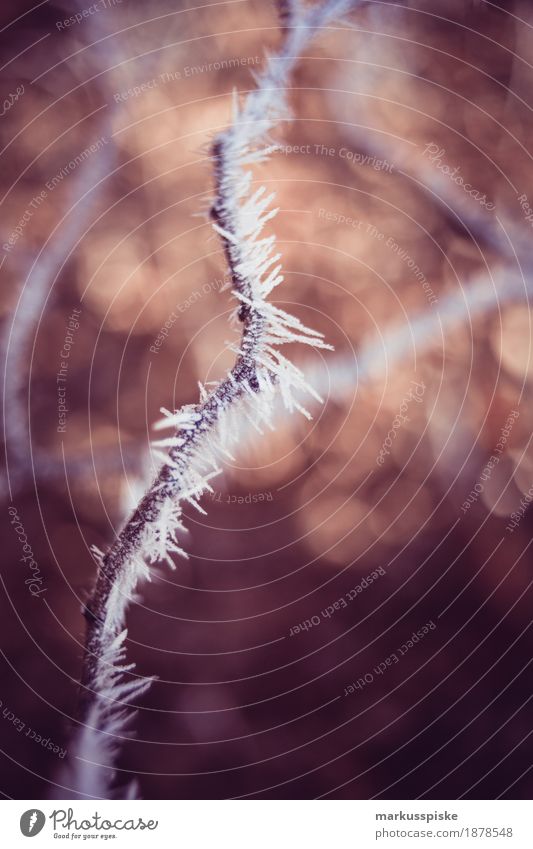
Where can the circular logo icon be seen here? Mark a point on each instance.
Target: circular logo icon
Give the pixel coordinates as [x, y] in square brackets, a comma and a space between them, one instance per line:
[32, 822]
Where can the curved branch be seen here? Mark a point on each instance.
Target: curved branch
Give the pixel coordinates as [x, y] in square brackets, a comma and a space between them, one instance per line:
[204, 431]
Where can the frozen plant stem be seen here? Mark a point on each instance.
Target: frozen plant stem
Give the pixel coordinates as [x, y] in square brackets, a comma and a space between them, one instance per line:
[204, 431]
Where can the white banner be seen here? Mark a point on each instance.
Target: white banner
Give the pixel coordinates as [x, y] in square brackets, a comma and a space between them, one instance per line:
[268, 824]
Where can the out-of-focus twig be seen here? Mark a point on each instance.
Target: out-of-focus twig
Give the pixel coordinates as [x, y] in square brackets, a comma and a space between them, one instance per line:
[23, 460]
[496, 229]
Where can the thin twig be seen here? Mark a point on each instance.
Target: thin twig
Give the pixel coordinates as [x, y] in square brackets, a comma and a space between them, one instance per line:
[206, 430]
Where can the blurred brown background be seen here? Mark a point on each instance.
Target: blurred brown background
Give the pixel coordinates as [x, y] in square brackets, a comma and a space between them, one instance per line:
[305, 513]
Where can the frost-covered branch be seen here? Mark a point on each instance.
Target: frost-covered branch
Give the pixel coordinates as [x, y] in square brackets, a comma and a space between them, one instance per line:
[203, 432]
